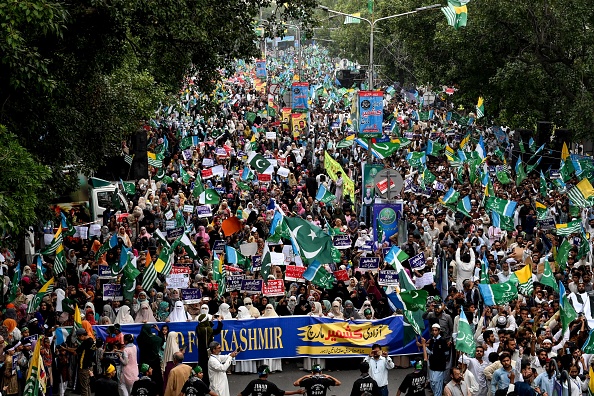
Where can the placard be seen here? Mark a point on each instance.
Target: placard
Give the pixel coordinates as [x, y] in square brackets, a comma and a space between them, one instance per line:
[81, 232]
[219, 246]
[341, 275]
[273, 288]
[189, 208]
[191, 296]
[388, 278]
[426, 279]
[104, 272]
[256, 263]
[179, 278]
[175, 232]
[264, 177]
[271, 135]
[31, 338]
[341, 241]
[170, 224]
[168, 214]
[251, 286]
[294, 273]
[277, 258]
[371, 113]
[234, 282]
[283, 172]
[114, 357]
[369, 263]
[417, 262]
[203, 211]
[207, 162]
[300, 95]
[248, 249]
[112, 291]
[547, 223]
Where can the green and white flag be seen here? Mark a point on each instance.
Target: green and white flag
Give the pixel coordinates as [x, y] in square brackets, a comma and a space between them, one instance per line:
[396, 257]
[413, 300]
[317, 274]
[129, 187]
[188, 246]
[259, 163]
[35, 301]
[266, 268]
[548, 278]
[34, 383]
[465, 340]
[312, 242]
[572, 227]
[128, 159]
[210, 196]
[324, 195]
[185, 176]
[60, 260]
[56, 241]
[563, 254]
[149, 277]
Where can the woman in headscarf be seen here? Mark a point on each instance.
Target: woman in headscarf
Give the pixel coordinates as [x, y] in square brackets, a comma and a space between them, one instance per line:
[302, 307]
[178, 314]
[292, 304]
[282, 309]
[204, 310]
[326, 307]
[245, 366]
[350, 313]
[108, 313]
[144, 314]
[223, 312]
[254, 313]
[149, 345]
[124, 236]
[123, 316]
[90, 317]
[205, 332]
[46, 315]
[335, 312]
[205, 238]
[274, 364]
[155, 304]
[171, 347]
[129, 373]
[366, 305]
[89, 329]
[10, 383]
[13, 333]
[162, 311]
[317, 309]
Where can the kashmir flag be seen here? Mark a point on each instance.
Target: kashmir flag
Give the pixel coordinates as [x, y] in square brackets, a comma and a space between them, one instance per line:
[35, 301]
[548, 278]
[573, 227]
[311, 241]
[108, 245]
[463, 143]
[149, 277]
[209, 196]
[164, 263]
[480, 106]
[259, 163]
[324, 195]
[498, 293]
[541, 211]
[582, 194]
[450, 197]
[396, 257]
[457, 16]
[77, 318]
[235, 257]
[129, 187]
[566, 310]
[67, 227]
[218, 273]
[524, 278]
[464, 206]
[465, 340]
[35, 373]
[433, 148]
[60, 260]
[56, 241]
[346, 142]
[128, 159]
[501, 206]
[502, 222]
[155, 160]
[317, 274]
[520, 172]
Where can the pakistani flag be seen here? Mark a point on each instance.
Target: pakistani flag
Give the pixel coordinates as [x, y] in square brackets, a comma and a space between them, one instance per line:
[129, 187]
[566, 310]
[35, 301]
[198, 186]
[266, 268]
[465, 340]
[317, 274]
[130, 271]
[498, 293]
[324, 195]
[108, 245]
[60, 260]
[210, 196]
[35, 372]
[451, 197]
[56, 241]
[149, 277]
[188, 246]
[259, 163]
[311, 241]
[396, 257]
[464, 206]
[501, 206]
[548, 278]
[563, 253]
[573, 227]
[185, 176]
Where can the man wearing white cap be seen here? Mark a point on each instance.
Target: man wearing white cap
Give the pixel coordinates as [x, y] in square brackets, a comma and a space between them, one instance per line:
[438, 350]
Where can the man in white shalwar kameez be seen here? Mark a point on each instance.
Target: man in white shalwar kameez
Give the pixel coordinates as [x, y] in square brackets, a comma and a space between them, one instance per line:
[217, 369]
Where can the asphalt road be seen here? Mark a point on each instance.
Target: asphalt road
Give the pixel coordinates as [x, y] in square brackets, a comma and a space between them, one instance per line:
[291, 372]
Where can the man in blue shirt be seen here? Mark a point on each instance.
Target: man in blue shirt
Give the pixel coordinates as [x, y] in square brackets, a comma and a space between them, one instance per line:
[503, 376]
[546, 381]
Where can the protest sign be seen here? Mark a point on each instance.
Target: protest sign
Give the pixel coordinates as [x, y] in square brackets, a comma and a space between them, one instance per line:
[273, 288]
[248, 249]
[203, 211]
[369, 263]
[417, 262]
[234, 282]
[388, 278]
[104, 272]
[547, 223]
[191, 296]
[112, 291]
[341, 241]
[277, 258]
[341, 275]
[189, 208]
[219, 246]
[294, 273]
[179, 278]
[256, 263]
[251, 286]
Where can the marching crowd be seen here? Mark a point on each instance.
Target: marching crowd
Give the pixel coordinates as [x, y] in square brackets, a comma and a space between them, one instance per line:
[456, 173]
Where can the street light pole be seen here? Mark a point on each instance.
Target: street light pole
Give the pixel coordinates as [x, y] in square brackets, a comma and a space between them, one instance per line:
[372, 28]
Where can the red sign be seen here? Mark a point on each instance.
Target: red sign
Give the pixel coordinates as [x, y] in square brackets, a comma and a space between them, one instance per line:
[341, 275]
[273, 288]
[383, 185]
[180, 270]
[264, 177]
[206, 173]
[294, 273]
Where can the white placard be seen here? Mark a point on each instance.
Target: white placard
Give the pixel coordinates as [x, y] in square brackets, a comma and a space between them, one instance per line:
[284, 172]
[277, 258]
[47, 238]
[189, 208]
[273, 162]
[178, 281]
[94, 229]
[249, 249]
[270, 135]
[426, 279]
[170, 224]
[168, 214]
[218, 170]
[207, 162]
[82, 232]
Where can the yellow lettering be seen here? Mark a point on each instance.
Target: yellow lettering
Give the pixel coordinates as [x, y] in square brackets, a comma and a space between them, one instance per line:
[253, 341]
[191, 339]
[180, 337]
[224, 343]
[263, 338]
[278, 336]
[244, 340]
[234, 341]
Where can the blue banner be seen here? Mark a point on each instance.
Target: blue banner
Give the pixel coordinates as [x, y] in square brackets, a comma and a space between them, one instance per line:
[385, 216]
[293, 336]
[261, 68]
[300, 95]
[371, 113]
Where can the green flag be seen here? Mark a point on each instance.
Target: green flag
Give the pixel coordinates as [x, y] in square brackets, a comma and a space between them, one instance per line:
[259, 163]
[129, 187]
[209, 196]
[572, 227]
[266, 268]
[33, 384]
[520, 172]
[544, 188]
[563, 254]
[413, 300]
[502, 176]
[522, 148]
[566, 169]
[35, 301]
[198, 186]
[567, 313]
[317, 274]
[130, 271]
[465, 340]
[312, 241]
[185, 176]
[584, 247]
[548, 278]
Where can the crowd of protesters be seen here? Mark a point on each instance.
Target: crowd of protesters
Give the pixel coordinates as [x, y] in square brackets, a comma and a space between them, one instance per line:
[519, 342]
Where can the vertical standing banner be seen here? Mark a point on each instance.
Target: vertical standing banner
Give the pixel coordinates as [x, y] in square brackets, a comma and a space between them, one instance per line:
[298, 124]
[385, 220]
[261, 68]
[286, 120]
[369, 172]
[371, 113]
[300, 95]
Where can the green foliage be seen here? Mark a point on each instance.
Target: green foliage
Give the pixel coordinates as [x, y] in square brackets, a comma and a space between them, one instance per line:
[21, 181]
